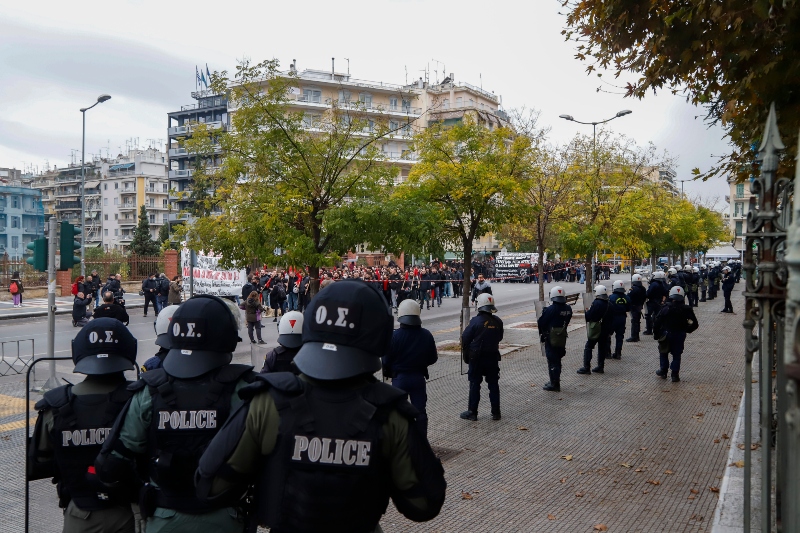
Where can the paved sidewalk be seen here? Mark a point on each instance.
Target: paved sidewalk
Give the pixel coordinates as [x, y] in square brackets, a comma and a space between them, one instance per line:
[35, 307]
[638, 447]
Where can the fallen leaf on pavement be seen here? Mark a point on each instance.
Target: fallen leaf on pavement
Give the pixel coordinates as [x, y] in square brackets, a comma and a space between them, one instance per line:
[645, 492]
[625, 465]
[567, 457]
[502, 451]
[716, 441]
[551, 517]
[466, 495]
[579, 494]
[563, 480]
[643, 449]
[694, 491]
[737, 464]
[639, 470]
[752, 446]
[600, 527]
[668, 472]
[690, 498]
[725, 436]
[522, 428]
[713, 489]
[654, 482]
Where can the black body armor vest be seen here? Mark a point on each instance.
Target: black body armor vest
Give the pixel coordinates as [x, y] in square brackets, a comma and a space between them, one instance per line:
[80, 427]
[186, 415]
[326, 472]
[283, 359]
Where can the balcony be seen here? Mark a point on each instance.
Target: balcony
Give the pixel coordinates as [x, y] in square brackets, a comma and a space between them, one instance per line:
[68, 205]
[180, 174]
[126, 237]
[69, 193]
[33, 231]
[188, 128]
[126, 206]
[401, 156]
[128, 190]
[126, 222]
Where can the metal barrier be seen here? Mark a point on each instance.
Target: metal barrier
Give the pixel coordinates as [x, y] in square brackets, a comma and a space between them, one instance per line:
[12, 361]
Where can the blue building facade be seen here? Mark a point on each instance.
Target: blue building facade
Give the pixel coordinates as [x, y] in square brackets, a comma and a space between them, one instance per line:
[21, 218]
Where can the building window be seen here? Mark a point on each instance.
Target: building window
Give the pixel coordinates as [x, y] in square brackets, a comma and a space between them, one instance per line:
[14, 242]
[369, 127]
[393, 103]
[116, 233]
[15, 222]
[164, 203]
[105, 217]
[116, 201]
[459, 102]
[14, 203]
[738, 209]
[406, 106]
[152, 202]
[311, 120]
[365, 99]
[152, 219]
[393, 125]
[116, 216]
[312, 95]
[739, 228]
[105, 186]
[740, 190]
[446, 103]
[116, 185]
[105, 232]
[166, 188]
[344, 95]
[165, 218]
[105, 201]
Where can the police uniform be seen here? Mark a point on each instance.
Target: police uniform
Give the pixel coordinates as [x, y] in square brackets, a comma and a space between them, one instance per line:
[672, 324]
[728, 282]
[637, 296]
[280, 358]
[656, 292]
[703, 282]
[74, 422]
[553, 327]
[713, 280]
[620, 305]
[481, 344]
[411, 352]
[175, 412]
[598, 312]
[326, 450]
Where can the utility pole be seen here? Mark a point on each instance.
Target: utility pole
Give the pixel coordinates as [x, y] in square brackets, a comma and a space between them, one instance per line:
[52, 381]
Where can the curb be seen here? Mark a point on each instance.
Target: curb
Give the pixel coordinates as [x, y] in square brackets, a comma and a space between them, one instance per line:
[59, 311]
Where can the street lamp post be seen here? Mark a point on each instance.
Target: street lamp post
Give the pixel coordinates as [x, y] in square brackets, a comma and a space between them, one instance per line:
[597, 166]
[100, 99]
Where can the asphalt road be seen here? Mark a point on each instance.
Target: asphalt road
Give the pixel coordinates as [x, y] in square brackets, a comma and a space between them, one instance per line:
[514, 303]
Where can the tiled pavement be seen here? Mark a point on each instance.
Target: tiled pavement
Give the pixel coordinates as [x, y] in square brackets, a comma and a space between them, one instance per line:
[623, 431]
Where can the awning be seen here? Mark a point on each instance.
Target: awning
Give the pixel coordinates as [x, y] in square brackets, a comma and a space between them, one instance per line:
[122, 166]
[92, 184]
[724, 251]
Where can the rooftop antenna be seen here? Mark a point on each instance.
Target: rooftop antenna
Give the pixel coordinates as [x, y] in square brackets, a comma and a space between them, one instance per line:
[480, 77]
[348, 66]
[406, 67]
[333, 69]
[444, 69]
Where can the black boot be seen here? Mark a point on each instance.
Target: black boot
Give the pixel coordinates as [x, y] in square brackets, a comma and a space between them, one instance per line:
[616, 356]
[633, 339]
[647, 332]
[598, 370]
[496, 414]
[675, 377]
[552, 387]
[469, 415]
[584, 370]
[661, 373]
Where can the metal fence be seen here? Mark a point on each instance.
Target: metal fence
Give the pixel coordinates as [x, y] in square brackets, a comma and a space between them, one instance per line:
[772, 335]
[130, 267]
[16, 356]
[28, 276]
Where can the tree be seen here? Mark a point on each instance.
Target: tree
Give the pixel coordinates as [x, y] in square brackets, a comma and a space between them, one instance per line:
[164, 238]
[142, 243]
[472, 179]
[288, 181]
[608, 181]
[734, 57]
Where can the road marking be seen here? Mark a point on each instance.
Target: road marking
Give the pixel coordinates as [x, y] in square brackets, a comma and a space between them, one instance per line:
[11, 405]
[505, 317]
[11, 426]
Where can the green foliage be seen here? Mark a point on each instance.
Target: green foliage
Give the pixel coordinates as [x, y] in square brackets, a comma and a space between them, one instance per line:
[111, 262]
[470, 180]
[142, 243]
[310, 192]
[734, 57]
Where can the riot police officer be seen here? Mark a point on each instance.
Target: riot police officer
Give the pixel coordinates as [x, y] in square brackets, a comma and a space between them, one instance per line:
[694, 287]
[656, 294]
[713, 280]
[553, 328]
[161, 325]
[620, 306]
[599, 326]
[326, 450]
[410, 354]
[290, 339]
[637, 296]
[703, 282]
[481, 345]
[73, 423]
[672, 323]
[675, 279]
[728, 282]
[175, 412]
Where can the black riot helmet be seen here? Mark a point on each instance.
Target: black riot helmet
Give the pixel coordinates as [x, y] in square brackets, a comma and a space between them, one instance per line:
[346, 330]
[203, 335]
[104, 346]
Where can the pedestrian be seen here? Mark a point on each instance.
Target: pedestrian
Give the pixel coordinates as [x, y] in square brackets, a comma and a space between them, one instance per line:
[253, 309]
[482, 286]
[162, 325]
[657, 292]
[293, 291]
[72, 423]
[672, 323]
[80, 311]
[150, 291]
[599, 326]
[553, 333]
[425, 286]
[174, 413]
[277, 297]
[97, 284]
[620, 306]
[290, 331]
[304, 287]
[480, 343]
[325, 451]
[16, 289]
[728, 282]
[175, 291]
[637, 296]
[109, 309]
[162, 293]
[410, 353]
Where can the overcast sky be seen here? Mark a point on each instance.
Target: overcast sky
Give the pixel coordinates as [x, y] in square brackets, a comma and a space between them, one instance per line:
[57, 57]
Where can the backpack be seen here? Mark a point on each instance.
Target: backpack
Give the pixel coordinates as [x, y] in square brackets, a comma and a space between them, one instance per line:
[75, 289]
[13, 288]
[280, 292]
[558, 337]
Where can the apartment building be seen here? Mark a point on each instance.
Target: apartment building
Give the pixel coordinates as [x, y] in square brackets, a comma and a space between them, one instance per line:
[21, 214]
[406, 108]
[739, 201]
[664, 176]
[114, 191]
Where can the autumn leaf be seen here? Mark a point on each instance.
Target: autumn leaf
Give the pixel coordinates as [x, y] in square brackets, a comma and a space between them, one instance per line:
[639, 470]
[725, 436]
[567, 457]
[654, 482]
[579, 494]
[466, 495]
[690, 498]
[551, 517]
[600, 527]
[737, 464]
[694, 491]
[713, 489]
[643, 449]
[668, 472]
[716, 441]
[522, 428]
[563, 480]
[624, 465]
